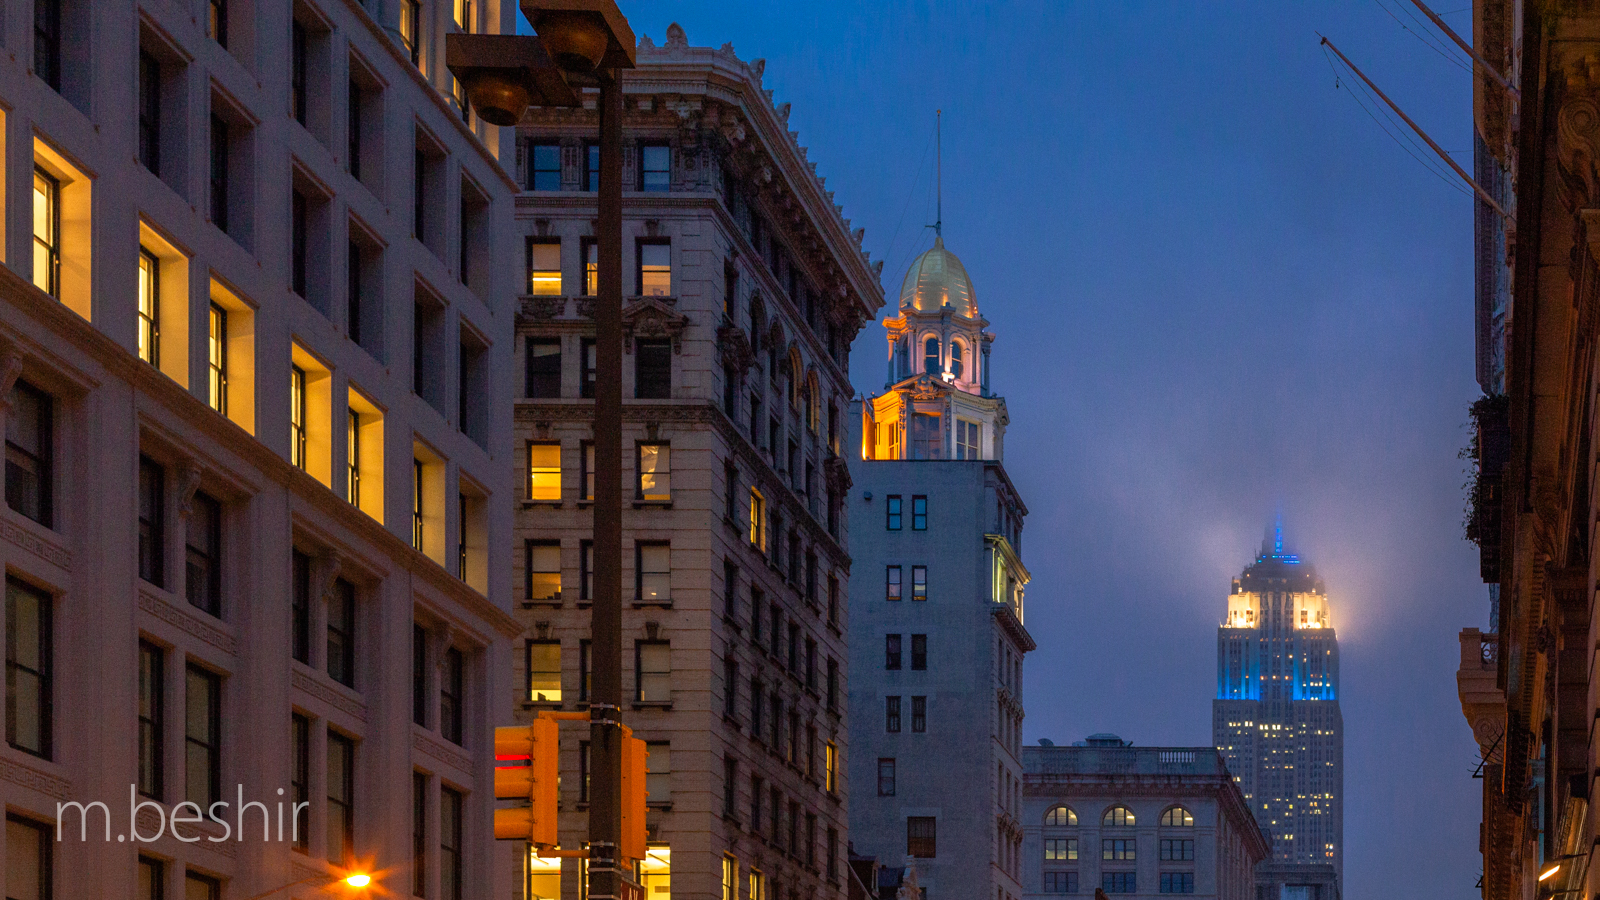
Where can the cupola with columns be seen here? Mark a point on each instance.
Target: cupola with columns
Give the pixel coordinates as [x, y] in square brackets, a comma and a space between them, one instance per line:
[936, 403]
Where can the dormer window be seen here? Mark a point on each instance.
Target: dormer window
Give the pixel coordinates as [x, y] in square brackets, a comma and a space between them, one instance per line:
[930, 356]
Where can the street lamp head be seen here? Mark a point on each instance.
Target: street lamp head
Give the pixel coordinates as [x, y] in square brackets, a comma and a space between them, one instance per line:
[358, 880]
[582, 36]
[504, 74]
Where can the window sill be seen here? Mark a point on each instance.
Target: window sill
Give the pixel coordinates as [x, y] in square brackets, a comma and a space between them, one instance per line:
[834, 627]
[585, 503]
[547, 504]
[541, 704]
[658, 604]
[643, 704]
[733, 624]
[663, 805]
[652, 504]
[548, 604]
[732, 722]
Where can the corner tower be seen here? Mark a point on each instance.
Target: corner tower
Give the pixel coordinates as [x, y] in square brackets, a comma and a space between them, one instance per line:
[1276, 718]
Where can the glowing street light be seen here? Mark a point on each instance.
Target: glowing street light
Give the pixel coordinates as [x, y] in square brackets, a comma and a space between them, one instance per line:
[359, 881]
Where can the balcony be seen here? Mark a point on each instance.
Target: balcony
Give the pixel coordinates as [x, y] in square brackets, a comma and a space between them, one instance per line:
[1478, 685]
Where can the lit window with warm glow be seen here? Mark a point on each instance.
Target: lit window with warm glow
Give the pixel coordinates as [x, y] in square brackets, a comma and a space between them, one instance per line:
[544, 267]
[655, 270]
[544, 472]
[655, 473]
[149, 308]
[758, 520]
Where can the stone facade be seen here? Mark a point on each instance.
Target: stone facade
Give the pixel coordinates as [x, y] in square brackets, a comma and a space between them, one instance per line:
[743, 288]
[1146, 821]
[217, 439]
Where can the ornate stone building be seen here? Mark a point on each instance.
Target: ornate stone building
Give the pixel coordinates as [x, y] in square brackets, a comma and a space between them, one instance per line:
[744, 290]
[254, 518]
[1527, 685]
[936, 633]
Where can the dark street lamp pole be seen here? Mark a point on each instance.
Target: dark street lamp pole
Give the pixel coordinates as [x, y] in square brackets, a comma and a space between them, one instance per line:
[586, 43]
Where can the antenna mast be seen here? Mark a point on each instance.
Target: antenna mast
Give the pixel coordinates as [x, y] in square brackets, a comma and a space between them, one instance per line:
[938, 167]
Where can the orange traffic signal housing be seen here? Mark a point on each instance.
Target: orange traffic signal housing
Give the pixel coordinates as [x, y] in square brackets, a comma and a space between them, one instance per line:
[633, 796]
[540, 744]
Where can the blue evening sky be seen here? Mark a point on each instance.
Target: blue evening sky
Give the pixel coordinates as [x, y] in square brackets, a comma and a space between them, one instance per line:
[1216, 287]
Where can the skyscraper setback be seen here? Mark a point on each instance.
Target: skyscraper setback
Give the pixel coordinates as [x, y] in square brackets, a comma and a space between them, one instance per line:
[1276, 718]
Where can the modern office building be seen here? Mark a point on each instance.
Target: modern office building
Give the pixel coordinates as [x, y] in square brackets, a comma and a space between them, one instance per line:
[936, 626]
[743, 290]
[1276, 718]
[254, 518]
[1136, 820]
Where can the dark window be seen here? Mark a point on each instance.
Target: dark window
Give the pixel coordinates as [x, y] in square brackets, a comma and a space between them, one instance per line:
[919, 582]
[930, 356]
[47, 41]
[919, 513]
[891, 651]
[150, 112]
[886, 777]
[584, 666]
[811, 664]
[203, 555]
[1177, 882]
[892, 508]
[919, 652]
[544, 367]
[419, 675]
[341, 817]
[921, 837]
[654, 275]
[730, 787]
[730, 589]
[201, 887]
[919, 715]
[297, 70]
[353, 132]
[730, 493]
[451, 695]
[585, 570]
[1177, 849]
[586, 386]
[450, 844]
[833, 684]
[217, 21]
[891, 715]
[300, 779]
[655, 167]
[30, 454]
[152, 683]
[892, 588]
[730, 688]
[833, 599]
[202, 737]
[298, 238]
[152, 879]
[411, 36]
[1061, 882]
[1119, 882]
[300, 606]
[342, 633]
[544, 167]
[1118, 848]
[757, 611]
[652, 362]
[419, 834]
[29, 676]
[419, 194]
[591, 167]
[353, 293]
[755, 803]
[219, 169]
[758, 702]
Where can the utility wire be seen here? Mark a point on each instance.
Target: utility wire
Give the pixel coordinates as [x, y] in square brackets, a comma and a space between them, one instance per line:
[910, 193]
[1423, 35]
[1399, 135]
[1431, 167]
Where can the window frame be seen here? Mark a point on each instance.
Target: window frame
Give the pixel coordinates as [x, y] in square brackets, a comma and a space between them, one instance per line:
[663, 452]
[152, 721]
[205, 595]
[38, 462]
[535, 471]
[452, 687]
[893, 512]
[41, 673]
[652, 381]
[50, 241]
[534, 281]
[640, 675]
[537, 696]
[643, 181]
[208, 745]
[919, 512]
[928, 840]
[149, 305]
[344, 804]
[641, 268]
[533, 165]
[342, 633]
[217, 360]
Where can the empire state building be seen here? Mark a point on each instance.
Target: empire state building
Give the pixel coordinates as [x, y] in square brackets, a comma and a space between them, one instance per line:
[1276, 719]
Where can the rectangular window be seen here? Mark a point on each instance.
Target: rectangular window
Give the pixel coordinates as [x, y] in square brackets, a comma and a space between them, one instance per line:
[219, 169]
[892, 589]
[921, 837]
[658, 771]
[30, 453]
[544, 671]
[1061, 882]
[653, 572]
[544, 472]
[891, 715]
[353, 129]
[451, 695]
[919, 715]
[652, 665]
[590, 362]
[29, 859]
[1177, 882]
[217, 359]
[1177, 849]
[758, 521]
[1118, 848]
[591, 266]
[544, 267]
[830, 767]
[353, 293]
[758, 885]
[919, 513]
[655, 269]
[47, 42]
[417, 534]
[758, 701]
[300, 779]
[730, 688]
[655, 473]
[152, 520]
[832, 697]
[919, 652]
[299, 240]
[892, 509]
[217, 21]
[411, 35]
[919, 582]
[730, 875]
[543, 563]
[341, 818]
[46, 233]
[149, 307]
[297, 70]
[150, 112]
[891, 652]
[966, 439]
[201, 887]
[585, 570]
[1060, 849]
[342, 633]
[152, 682]
[655, 167]
[833, 599]
[419, 674]
[451, 844]
[544, 167]
[419, 834]
[1119, 882]
[652, 369]
[591, 167]
[352, 462]
[730, 590]
[29, 668]
[152, 879]
[203, 555]
[202, 737]
[886, 777]
[543, 368]
[297, 417]
[300, 606]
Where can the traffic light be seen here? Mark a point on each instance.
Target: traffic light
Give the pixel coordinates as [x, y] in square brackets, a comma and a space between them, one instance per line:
[633, 796]
[539, 743]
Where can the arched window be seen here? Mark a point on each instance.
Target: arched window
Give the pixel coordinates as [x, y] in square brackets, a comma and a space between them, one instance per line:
[930, 356]
[1060, 815]
[955, 359]
[1178, 816]
[1118, 817]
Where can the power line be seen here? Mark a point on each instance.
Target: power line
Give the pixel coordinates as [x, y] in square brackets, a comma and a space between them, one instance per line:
[1422, 36]
[910, 193]
[1431, 167]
